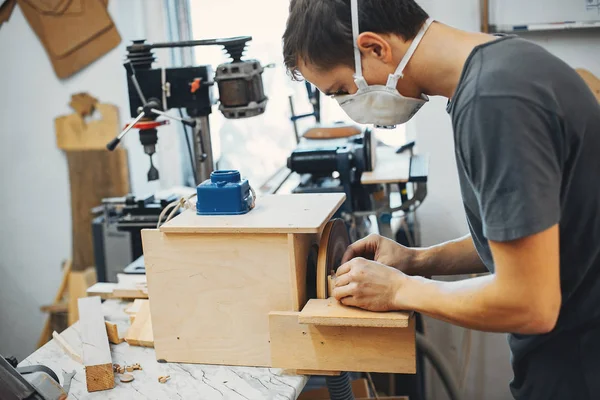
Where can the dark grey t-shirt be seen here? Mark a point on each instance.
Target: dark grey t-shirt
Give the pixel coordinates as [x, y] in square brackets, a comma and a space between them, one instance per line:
[527, 138]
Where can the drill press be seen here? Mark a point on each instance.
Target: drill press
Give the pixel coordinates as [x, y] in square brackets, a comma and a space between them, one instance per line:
[152, 92]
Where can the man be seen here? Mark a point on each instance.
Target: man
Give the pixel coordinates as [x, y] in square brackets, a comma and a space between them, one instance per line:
[527, 143]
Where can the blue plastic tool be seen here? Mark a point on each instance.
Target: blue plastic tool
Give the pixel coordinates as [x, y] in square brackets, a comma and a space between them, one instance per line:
[225, 193]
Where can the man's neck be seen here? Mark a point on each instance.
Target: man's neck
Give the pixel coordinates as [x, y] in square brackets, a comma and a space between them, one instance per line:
[437, 65]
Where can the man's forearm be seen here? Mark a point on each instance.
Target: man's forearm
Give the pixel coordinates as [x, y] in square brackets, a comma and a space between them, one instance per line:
[479, 303]
[457, 257]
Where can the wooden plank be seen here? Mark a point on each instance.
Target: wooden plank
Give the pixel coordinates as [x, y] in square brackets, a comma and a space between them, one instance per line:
[333, 348]
[211, 295]
[330, 312]
[390, 168]
[299, 248]
[96, 355]
[74, 133]
[93, 175]
[67, 347]
[295, 213]
[113, 333]
[140, 331]
[79, 282]
[360, 389]
[104, 290]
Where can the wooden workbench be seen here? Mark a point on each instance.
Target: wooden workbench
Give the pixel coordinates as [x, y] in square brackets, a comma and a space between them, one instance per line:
[188, 381]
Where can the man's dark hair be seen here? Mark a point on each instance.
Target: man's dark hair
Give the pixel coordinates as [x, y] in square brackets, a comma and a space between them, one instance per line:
[319, 32]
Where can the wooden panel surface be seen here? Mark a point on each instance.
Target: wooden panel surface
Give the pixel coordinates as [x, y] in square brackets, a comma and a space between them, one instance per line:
[330, 312]
[294, 213]
[211, 295]
[299, 249]
[339, 348]
[390, 168]
[93, 175]
[96, 355]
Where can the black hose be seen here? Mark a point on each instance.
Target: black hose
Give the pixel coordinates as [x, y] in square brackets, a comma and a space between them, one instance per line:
[441, 366]
[339, 387]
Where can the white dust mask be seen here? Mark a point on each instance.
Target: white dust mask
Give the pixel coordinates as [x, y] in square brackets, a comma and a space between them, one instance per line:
[382, 106]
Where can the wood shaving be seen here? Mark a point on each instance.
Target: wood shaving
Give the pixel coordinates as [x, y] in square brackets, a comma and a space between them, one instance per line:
[126, 378]
[163, 379]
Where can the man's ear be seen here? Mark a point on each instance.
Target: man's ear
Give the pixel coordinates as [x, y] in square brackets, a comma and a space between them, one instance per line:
[374, 45]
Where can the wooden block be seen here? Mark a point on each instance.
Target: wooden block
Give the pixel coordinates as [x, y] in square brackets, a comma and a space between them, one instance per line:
[272, 214]
[140, 331]
[330, 312]
[360, 389]
[79, 282]
[96, 355]
[390, 168]
[113, 333]
[340, 348]
[211, 295]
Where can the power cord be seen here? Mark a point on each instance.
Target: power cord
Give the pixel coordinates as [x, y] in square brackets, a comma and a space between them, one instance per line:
[189, 147]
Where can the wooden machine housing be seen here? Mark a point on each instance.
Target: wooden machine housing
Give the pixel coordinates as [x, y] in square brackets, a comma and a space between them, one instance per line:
[231, 290]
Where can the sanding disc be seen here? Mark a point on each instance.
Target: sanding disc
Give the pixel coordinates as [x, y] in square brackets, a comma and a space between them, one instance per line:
[333, 245]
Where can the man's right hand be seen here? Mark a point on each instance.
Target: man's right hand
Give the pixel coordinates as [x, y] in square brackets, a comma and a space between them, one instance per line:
[384, 251]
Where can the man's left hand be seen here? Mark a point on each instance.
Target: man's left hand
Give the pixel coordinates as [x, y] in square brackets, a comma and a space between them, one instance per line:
[369, 285]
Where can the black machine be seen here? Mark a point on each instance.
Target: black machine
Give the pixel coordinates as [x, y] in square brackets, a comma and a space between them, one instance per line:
[336, 166]
[116, 231]
[152, 92]
[35, 382]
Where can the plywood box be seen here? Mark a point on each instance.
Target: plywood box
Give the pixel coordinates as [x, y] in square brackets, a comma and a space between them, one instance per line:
[227, 290]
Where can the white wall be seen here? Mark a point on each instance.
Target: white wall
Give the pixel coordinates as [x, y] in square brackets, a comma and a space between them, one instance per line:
[442, 216]
[35, 229]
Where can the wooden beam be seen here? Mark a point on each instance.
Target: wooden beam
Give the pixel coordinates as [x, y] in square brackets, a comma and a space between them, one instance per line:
[113, 333]
[96, 355]
[340, 348]
[330, 312]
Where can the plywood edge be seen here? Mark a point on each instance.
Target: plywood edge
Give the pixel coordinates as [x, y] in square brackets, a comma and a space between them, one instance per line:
[330, 312]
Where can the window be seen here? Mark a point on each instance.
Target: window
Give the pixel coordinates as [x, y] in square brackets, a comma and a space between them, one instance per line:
[259, 146]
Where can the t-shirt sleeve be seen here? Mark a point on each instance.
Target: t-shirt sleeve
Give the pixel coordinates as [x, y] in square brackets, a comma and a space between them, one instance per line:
[511, 150]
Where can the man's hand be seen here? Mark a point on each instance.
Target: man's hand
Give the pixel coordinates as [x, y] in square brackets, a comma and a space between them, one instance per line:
[383, 251]
[368, 285]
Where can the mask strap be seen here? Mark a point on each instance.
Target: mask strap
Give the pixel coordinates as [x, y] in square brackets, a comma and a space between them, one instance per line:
[355, 33]
[393, 79]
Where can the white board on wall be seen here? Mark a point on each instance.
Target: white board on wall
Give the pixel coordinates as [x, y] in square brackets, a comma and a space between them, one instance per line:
[516, 13]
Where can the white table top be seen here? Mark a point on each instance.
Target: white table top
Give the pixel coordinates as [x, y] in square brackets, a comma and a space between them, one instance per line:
[188, 381]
